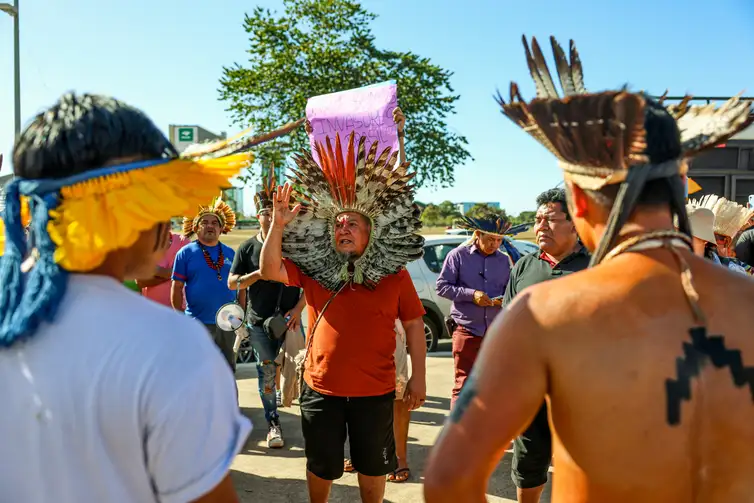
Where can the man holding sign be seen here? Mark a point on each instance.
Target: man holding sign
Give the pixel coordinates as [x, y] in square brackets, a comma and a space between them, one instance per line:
[355, 290]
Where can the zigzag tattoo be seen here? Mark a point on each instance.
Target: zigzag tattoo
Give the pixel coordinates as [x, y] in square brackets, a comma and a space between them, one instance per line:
[696, 355]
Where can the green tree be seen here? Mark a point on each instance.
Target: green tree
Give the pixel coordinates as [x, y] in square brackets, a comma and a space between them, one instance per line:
[431, 216]
[524, 217]
[321, 46]
[482, 210]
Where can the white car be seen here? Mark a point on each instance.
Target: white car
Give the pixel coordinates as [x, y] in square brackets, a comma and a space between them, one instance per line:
[424, 273]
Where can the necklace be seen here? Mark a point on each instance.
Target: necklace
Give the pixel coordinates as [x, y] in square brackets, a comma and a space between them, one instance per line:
[671, 241]
[216, 266]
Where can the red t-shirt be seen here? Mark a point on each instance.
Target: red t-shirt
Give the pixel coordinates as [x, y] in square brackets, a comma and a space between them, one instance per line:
[352, 353]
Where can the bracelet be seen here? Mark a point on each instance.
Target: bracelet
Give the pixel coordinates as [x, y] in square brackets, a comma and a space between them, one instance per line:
[401, 134]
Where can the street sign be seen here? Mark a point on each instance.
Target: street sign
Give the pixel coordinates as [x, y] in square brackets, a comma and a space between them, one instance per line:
[185, 134]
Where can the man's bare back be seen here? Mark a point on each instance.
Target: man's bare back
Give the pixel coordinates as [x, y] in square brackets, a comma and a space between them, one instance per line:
[610, 338]
[601, 345]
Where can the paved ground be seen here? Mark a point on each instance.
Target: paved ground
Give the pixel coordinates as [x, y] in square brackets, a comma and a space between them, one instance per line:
[278, 476]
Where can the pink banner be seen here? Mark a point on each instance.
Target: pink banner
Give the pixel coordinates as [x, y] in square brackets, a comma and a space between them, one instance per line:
[367, 110]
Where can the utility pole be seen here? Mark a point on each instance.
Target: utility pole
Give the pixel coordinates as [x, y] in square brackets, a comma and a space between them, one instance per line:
[12, 11]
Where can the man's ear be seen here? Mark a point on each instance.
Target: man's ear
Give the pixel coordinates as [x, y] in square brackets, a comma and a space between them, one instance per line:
[579, 200]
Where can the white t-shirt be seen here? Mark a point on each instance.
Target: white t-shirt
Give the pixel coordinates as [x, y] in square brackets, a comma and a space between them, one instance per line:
[120, 400]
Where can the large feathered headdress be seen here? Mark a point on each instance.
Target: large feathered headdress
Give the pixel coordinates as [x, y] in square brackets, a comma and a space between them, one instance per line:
[219, 209]
[495, 226]
[730, 216]
[363, 182]
[600, 139]
[77, 221]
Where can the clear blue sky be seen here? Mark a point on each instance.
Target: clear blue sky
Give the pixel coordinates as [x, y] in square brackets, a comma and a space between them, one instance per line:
[166, 56]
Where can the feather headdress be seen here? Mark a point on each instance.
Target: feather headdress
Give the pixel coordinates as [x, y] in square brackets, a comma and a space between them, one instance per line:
[495, 226]
[263, 198]
[219, 209]
[77, 221]
[730, 216]
[363, 182]
[600, 138]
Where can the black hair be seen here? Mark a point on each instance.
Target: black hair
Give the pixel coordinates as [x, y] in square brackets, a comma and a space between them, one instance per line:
[83, 132]
[554, 196]
[663, 144]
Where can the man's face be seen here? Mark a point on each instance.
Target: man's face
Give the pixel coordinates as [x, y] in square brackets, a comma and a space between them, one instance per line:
[208, 229]
[488, 243]
[265, 220]
[351, 234]
[555, 233]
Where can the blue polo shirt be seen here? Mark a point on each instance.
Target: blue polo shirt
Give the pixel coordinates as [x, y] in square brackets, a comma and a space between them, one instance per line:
[205, 294]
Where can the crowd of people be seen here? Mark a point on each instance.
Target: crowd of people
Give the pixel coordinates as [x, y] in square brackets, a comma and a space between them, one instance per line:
[617, 353]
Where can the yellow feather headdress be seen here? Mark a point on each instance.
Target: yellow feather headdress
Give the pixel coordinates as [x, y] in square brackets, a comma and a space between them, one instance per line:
[77, 221]
[218, 208]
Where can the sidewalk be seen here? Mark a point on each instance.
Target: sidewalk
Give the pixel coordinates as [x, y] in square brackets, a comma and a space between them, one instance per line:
[279, 476]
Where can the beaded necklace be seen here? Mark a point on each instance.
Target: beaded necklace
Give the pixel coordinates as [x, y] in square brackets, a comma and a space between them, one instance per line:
[216, 266]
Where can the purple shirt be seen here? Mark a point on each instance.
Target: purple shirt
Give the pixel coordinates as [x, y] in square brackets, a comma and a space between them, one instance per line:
[466, 269]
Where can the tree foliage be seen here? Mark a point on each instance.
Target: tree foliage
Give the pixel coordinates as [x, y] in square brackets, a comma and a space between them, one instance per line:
[485, 211]
[322, 46]
[435, 215]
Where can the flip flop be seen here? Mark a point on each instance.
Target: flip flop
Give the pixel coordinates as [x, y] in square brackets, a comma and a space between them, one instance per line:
[348, 466]
[399, 476]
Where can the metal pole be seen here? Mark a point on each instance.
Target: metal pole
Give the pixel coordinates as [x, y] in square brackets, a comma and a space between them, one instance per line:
[17, 69]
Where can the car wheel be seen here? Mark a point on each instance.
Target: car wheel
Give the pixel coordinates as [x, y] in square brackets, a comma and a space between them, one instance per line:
[245, 353]
[431, 333]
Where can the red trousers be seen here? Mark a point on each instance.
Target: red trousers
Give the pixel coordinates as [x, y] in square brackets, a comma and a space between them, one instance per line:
[465, 350]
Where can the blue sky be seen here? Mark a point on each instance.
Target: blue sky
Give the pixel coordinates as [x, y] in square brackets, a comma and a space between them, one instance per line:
[166, 56]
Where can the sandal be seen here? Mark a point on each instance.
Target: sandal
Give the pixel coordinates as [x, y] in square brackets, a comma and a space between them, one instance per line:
[348, 466]
[399, 476]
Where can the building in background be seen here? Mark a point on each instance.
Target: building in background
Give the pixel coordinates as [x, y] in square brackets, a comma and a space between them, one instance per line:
[464, 207]
[728, 169]
[185, 134]
[234, 197]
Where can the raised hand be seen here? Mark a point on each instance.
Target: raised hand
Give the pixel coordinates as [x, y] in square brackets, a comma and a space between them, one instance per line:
[399, 119]
[282, 214]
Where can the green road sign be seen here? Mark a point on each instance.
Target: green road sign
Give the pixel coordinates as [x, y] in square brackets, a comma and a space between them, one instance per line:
[185, 134]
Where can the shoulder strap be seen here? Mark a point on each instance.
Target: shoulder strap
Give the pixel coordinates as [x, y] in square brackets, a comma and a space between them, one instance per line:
[280, 297]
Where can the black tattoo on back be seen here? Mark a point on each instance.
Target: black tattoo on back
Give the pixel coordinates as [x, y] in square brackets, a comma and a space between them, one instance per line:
[697, 354]
[467, 394]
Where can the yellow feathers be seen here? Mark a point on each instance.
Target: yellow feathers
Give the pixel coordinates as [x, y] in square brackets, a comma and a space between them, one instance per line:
[99, 216]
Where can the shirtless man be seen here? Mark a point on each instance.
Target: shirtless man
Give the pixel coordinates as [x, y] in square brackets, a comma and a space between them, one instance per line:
[615, 348]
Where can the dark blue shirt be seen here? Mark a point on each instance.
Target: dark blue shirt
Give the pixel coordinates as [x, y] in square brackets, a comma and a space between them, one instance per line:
[205, 293]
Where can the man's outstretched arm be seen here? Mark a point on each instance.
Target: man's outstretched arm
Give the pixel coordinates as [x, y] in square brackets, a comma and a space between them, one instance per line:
[500, 398]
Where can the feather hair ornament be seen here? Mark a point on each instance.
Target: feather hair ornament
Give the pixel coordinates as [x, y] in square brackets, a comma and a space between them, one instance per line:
[263, 198]
[730, 216]
[494, 226]
[600, 138]
[77, 221]
[362, 181]
[220, 209]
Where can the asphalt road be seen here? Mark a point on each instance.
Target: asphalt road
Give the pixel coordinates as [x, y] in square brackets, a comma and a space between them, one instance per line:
[278, 476]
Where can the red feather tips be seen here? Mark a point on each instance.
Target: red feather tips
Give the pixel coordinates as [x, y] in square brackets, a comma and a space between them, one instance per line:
[339, 170]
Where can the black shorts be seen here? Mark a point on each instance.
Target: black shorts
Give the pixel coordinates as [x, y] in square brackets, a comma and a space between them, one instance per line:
[367, 421]
[532, 453]
[224, 341]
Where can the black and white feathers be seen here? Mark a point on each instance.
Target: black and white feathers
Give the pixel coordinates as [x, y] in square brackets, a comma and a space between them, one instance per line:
[362, 181]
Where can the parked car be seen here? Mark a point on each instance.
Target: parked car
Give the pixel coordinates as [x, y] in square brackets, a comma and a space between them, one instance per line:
[424, 273]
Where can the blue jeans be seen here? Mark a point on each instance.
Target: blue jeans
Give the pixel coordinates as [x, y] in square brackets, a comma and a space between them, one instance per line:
[265, 351]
